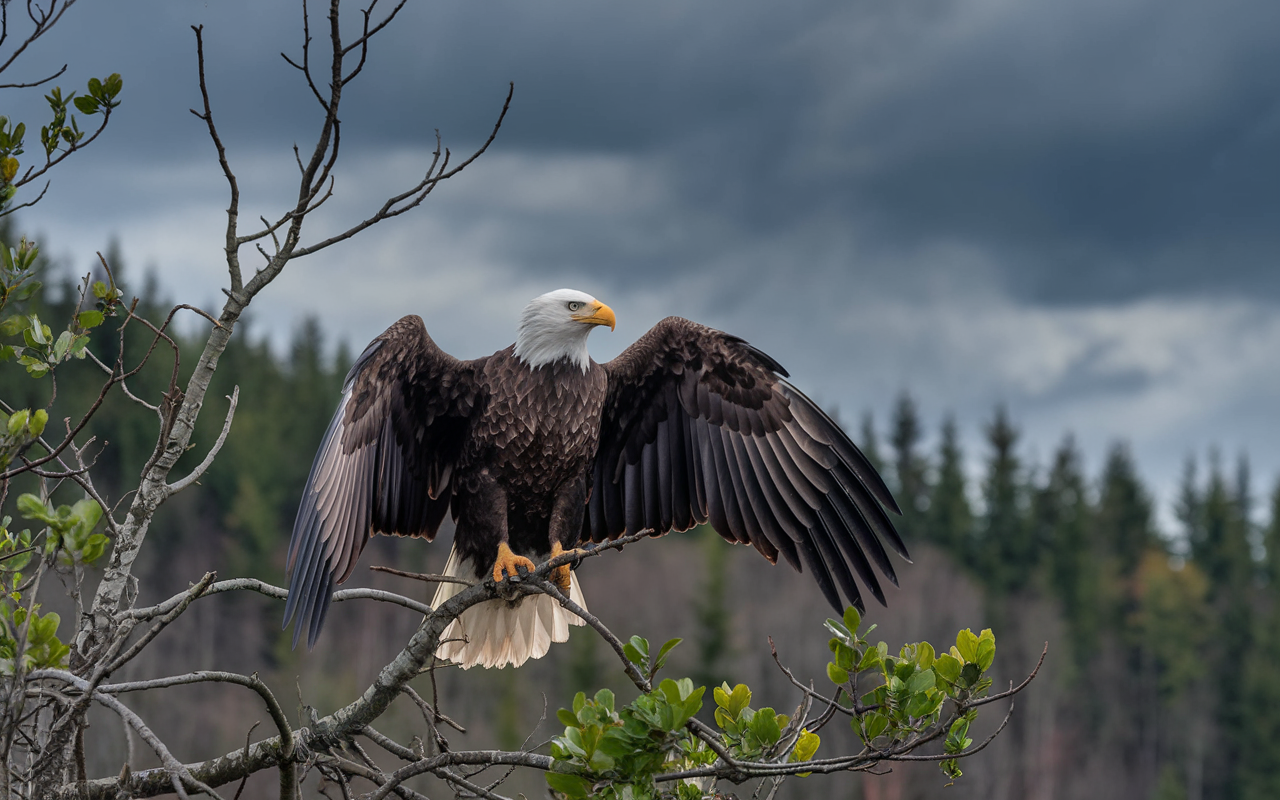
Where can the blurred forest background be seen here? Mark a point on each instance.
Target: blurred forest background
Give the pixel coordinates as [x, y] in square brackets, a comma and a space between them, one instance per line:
[1163, 674]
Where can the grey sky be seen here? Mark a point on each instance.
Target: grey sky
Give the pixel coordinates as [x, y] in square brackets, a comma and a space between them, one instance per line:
[1071, 208]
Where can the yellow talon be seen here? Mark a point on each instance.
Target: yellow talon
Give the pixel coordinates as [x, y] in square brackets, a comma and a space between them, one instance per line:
[560, 574]
[507, 563]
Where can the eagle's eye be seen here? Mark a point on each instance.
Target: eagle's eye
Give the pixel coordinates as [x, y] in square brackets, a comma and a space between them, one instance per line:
[575, 305]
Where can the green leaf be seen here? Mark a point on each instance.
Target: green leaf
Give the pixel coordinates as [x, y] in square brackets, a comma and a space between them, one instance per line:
[604, 698]
[568, 785]
[94, 548]
[32, 507]
[636, 651]
[661, 659]
[903, 669]
[924, 704]
[925, 655]
[567, 718]
[806, 745]
[44, 629]
[967, 644]
[89, 319]
[15, 324]
[921, 681]
[61, 346]
[874, 725]
[685, 687]
[721, 695]
[765, 726]
[870, 659]
[852, 619]
[58, 655]
[738, 700]
[838, 629]
[88, 512]
[957, 739]
[37, 331]
[947, 667]
[837, 675]
[844, 656]
[986, 651]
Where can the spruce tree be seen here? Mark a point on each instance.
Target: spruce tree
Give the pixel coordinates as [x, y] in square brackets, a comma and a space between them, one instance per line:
[1219, 535]
[1124, 523]
[1007, 552]
[950, 516]
[910, 468]
[1064, 528]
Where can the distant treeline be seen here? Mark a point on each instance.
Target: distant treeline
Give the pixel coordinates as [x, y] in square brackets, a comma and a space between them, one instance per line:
[1174, 638]
[1174, 653]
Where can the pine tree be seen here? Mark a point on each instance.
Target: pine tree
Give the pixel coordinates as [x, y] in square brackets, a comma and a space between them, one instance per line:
[1007, 551]
[913, 489]
[1219, 535]
[1064, 528]
[1125, 523]
[950, 516]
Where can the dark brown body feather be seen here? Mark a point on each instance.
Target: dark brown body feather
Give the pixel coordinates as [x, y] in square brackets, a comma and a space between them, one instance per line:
[688, 425]
[528, 458]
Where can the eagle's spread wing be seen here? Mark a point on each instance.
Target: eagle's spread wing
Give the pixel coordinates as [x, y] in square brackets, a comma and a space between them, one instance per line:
[384, 465]
[699, 426]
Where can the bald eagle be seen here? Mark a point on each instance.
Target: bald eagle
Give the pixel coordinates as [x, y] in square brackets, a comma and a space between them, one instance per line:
[537, 449]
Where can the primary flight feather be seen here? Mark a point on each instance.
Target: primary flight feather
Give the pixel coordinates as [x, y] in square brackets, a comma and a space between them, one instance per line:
[536, 449]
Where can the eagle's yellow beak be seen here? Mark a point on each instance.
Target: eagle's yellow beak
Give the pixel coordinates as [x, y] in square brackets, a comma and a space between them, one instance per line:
[599, 314]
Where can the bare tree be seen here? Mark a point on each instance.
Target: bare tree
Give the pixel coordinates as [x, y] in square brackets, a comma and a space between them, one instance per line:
[48, 697]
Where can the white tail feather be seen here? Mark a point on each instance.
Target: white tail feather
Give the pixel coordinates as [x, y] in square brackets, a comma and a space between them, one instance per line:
[496, 633]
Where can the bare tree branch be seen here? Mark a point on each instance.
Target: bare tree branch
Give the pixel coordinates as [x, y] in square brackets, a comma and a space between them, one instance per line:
[179, 777]
[204, 465]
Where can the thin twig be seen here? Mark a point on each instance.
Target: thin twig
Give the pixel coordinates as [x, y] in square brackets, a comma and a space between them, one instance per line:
[198, 472]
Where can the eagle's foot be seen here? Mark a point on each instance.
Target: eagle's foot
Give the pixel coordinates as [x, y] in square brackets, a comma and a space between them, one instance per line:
[560, 574]
[507, 563]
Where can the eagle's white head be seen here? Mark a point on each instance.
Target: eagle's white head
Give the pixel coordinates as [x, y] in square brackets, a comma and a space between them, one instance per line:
[555, 326]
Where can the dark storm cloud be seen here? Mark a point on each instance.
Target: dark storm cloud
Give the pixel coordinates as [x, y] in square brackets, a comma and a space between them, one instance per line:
[1098, 151]
[1095, 150]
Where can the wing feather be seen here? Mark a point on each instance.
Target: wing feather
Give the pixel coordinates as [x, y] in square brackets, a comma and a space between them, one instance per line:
[662, 474]
[762, 510]
[701, 426]
[383, 466]
[681, 511]
[786, 527]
